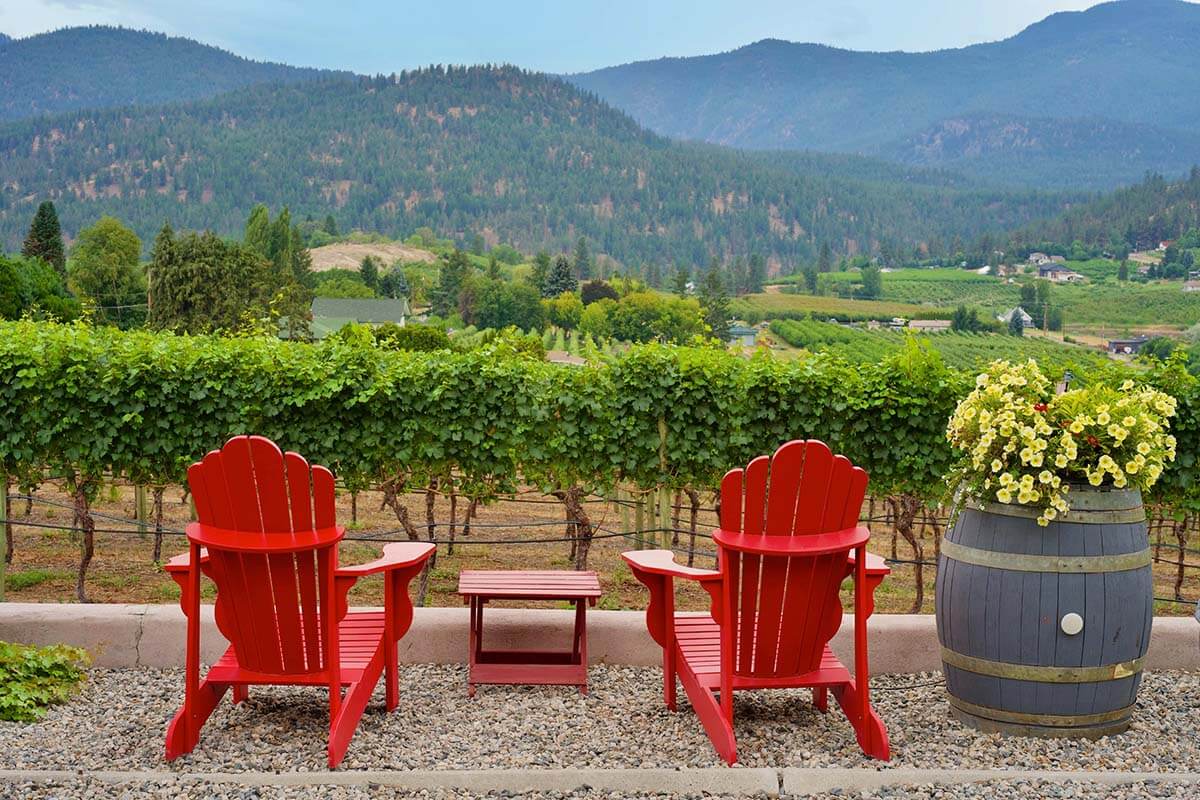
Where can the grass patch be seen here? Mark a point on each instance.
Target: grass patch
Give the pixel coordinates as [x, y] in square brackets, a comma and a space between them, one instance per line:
[16, 581]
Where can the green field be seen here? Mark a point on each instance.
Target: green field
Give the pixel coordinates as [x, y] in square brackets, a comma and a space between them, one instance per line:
[962, 350]
[1102, 304]
[773, 303]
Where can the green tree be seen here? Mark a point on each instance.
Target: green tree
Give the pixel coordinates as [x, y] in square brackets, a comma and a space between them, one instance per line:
[330, 225]
[257, 235]
[369, 271]
[540, 272]
[394, 283]
[565, 310]
[1016, 323]
[965, 321]
[493, 267]
[454, 270]
[758, 272]
[200, 283]
[714, 299]
[825, 258]
[1029, 298]
[1123, 270]
[44, 239]
[499, 304]
[872, 282]
[561, 278]
[104, 269]
[810, 277]
[477, 245]
[683, 276]
[583, 260]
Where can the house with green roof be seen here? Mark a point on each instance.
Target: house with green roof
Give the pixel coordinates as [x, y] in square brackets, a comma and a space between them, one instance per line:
[330, 314]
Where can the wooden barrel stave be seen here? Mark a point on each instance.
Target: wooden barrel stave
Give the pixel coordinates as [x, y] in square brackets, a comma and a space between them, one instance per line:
[1015, 620]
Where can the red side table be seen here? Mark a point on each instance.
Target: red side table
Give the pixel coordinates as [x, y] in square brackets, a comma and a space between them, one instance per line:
[559, 667]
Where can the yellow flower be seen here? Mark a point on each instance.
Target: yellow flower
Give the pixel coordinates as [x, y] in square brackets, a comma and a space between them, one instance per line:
[1129, 422]
[1076, 427]
[1036, 460]
[1143, 448]
[1045, 476]
[1004, 495]
[1061, 461]
[1102, 418]
[997, 465]
[1132, 467]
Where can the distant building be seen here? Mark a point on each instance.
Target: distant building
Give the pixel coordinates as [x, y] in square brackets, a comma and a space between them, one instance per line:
[1191, 286]
[1026, 320]
[1037, 259]
[1127, 347]
[930, 325]
[1164, 244]
[331, 314]
[1058, 273]
[742, 336]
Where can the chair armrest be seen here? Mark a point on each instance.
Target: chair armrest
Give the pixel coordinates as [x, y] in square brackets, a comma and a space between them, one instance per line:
[815, 544]
[662, 562]
[876, 565]
[396, 555]
[183, 561]
[657, 570]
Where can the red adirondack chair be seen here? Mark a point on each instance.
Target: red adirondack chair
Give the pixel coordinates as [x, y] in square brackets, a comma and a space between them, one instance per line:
[783, 553]
[268, 539]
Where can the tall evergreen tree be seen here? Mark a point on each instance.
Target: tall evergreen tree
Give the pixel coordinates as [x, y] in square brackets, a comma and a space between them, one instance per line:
[330, 225]
[540, 272]
[825, 258]
[258, 230]
[394, 283]
[44, 239]
[654, 275]
[493, 268]
[368, 270]
[758, 272]
[561, 279]
[454, 270]
[714, 299]
[682, 276]
[811, 274]
[583, 260]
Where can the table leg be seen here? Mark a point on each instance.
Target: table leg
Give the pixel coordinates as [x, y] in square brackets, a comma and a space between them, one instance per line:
[473, 639]
[579, 648]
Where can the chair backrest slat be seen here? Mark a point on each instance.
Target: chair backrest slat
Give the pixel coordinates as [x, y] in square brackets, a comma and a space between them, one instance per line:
[269, 605]
[786, 608]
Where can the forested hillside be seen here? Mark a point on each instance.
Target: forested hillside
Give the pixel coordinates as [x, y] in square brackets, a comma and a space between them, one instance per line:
[510, 155]
[1140, 216]
[98, 67]
[1132, 62]
[1082, 153]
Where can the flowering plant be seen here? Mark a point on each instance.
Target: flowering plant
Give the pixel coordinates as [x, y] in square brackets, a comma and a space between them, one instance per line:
[1022, 443]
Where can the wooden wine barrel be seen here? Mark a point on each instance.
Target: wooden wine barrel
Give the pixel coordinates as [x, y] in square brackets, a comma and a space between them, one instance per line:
[1043, 630]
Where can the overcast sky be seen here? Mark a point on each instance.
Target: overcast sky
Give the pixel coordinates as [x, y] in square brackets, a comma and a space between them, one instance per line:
[557, 36]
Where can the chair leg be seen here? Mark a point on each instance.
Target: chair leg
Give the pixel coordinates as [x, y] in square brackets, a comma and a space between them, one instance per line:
[183, 733]
[717, 724]
[669, 676]
[871, 733]
[240, 693]
[821, 698]
[391, 676]
[344, 721]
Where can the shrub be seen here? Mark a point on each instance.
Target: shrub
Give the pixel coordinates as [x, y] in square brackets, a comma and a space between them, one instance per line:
[32, 678]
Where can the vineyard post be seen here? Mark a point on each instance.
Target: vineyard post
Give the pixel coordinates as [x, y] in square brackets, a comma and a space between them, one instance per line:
[7, 526]
[639, 520]
[140, 510]
[664, 518]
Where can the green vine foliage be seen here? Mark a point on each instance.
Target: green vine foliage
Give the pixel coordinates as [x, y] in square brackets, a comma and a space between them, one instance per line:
[82, 402]
[32, 678]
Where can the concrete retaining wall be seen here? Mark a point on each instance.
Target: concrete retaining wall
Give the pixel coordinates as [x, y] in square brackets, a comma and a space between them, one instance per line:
[154, 635]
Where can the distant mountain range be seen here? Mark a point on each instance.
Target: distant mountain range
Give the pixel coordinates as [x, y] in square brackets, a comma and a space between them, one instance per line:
[1090, 98]
[100, 67]
[514, 156]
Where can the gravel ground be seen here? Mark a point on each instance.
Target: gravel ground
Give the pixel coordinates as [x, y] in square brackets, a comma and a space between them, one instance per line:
[83, 789]
[1025, 790]
[118, 722]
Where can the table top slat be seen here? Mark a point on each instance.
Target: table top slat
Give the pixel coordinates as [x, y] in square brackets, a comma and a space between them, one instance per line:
[529, 584]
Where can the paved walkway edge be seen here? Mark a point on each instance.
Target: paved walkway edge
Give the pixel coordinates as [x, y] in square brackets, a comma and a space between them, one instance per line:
[128, 635]
[718, 780]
